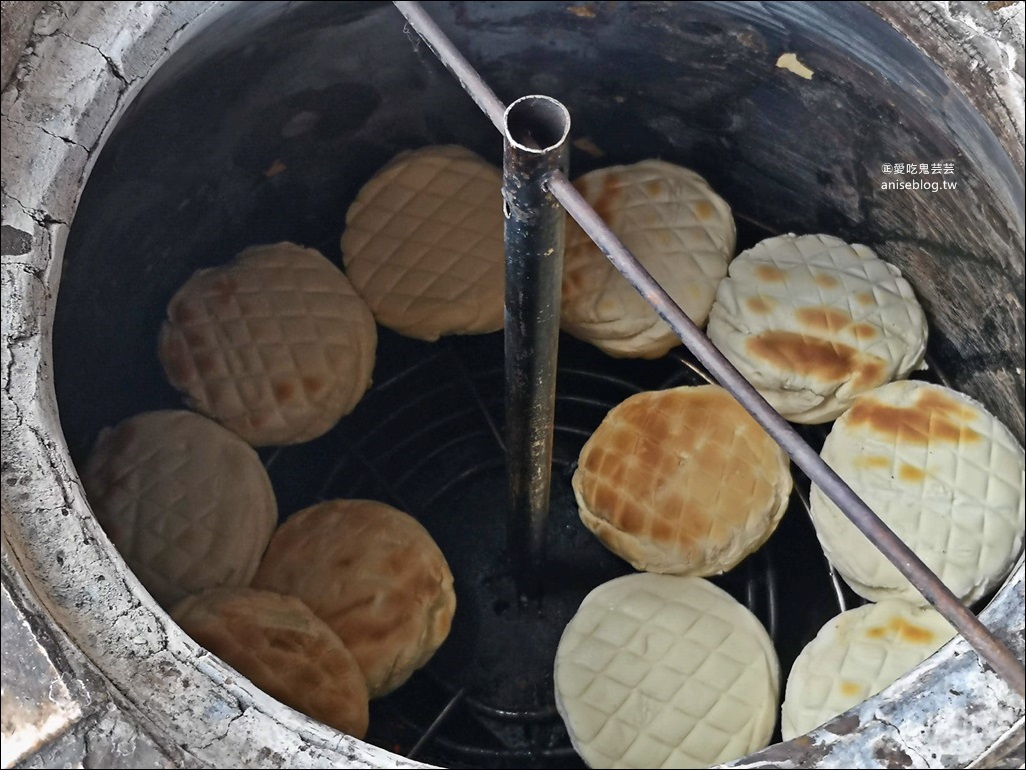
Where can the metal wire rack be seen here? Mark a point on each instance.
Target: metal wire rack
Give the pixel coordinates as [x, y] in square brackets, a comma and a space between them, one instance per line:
[428, 439]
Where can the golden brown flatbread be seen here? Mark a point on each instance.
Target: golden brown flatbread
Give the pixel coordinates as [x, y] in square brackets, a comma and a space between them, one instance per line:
[373, 574]
[279, 644]
[682, 481]
[276, 345]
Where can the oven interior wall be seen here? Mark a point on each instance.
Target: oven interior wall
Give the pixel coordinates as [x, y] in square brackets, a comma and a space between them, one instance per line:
[264, 127]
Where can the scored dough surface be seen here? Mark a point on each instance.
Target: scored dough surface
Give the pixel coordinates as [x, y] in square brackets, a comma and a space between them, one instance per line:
[812, 321]
[374, 575]
[279, 644]
[680, 230]
[186, 502]
[682, 481]
[424, 246]
[661, 671]
[276, 345]
[941, 472]
[856, 655]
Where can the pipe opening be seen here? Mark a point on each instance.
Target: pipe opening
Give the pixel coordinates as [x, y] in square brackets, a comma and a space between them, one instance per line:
[537, 124]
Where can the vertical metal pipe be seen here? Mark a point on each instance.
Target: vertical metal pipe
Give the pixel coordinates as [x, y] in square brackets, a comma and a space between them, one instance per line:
[535, 129]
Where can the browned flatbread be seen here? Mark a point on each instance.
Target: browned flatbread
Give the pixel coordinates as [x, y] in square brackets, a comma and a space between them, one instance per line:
[812, 322]
[284, 649]
[943, 473]
[277, 345]
[682, 481]
[187, 502]
[373, 574]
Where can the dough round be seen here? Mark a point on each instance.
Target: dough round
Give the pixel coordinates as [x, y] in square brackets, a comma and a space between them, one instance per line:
[944, 474]
[682, 481]
[812, 322]
[856, 655]
[276, 346]
[678, 228]
[423, 244]
[284, 649]
[373, 574]
[186, 502]
[663, 671]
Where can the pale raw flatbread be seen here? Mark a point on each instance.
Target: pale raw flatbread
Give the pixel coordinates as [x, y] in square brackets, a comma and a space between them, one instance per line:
[943, 473]
[279, 644]
[276, 345]
[186, 502]
[423, 244]
[373, 574]
[681, 232]
[662, 671]
[856, 655]
[682, 481]
[812, 322]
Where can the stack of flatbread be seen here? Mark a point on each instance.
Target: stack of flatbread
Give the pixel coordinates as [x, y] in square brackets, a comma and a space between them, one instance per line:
[374, 575]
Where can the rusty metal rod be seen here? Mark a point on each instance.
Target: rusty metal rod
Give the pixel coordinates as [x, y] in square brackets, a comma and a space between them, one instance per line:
[989, 647]
[536, 129]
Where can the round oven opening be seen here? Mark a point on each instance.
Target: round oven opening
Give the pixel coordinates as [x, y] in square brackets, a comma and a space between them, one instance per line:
[264, 125]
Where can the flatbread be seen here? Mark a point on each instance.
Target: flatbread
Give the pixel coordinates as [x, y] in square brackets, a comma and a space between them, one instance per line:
[423, 244]
[660, 671]
[856, 655]
[680, 230]
[373, 574]
[276, 345]
[812, 322]
[284, 649]
[942, 472]
[682, 481]
[186, 502]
